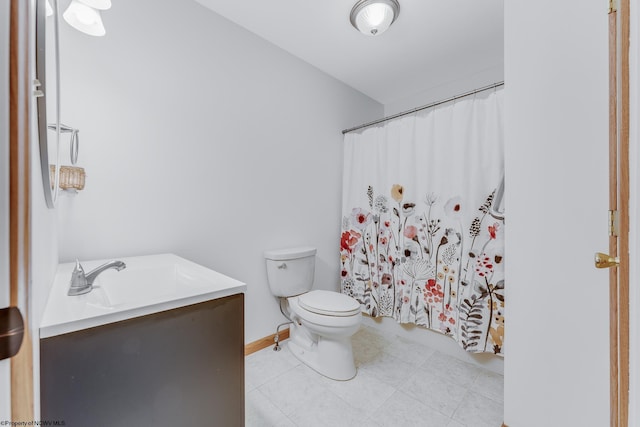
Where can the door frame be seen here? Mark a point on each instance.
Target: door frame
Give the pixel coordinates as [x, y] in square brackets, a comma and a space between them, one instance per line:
[634, 211]
[22, 403]
[619, 194]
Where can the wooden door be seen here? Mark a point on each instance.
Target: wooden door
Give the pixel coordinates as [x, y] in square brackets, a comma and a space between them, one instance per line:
[19, 196]
[619, 210]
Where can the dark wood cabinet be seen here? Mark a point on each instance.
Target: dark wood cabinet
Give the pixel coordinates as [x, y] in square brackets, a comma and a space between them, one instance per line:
[178, 367]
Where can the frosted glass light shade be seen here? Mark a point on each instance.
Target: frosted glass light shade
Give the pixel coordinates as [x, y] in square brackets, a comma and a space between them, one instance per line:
[84, 18]
[48, 8]
[374, 17]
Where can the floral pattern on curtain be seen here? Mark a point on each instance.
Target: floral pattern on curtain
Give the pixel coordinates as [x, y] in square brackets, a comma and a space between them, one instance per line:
[420, 239]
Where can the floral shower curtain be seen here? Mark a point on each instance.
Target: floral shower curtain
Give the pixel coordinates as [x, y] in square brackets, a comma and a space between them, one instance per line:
[421, 239]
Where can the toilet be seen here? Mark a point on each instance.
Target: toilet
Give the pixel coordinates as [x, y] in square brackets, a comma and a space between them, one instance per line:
[322, 321]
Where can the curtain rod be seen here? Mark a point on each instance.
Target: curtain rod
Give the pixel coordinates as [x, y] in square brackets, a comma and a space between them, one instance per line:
[424, 107]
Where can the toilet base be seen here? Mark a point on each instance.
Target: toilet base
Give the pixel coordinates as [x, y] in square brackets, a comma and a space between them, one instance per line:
[332, 358]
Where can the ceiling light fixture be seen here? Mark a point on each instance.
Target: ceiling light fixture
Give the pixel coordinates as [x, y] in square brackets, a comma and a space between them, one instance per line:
[374, 17]
[83, 15]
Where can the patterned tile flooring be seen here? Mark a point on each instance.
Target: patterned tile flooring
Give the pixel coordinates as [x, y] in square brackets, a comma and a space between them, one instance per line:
[399, 383]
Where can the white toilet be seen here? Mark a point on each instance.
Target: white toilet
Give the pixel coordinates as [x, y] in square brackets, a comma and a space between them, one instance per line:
[323, 321]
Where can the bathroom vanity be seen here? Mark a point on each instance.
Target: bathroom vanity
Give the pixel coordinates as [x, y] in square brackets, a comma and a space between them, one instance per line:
[174, 357]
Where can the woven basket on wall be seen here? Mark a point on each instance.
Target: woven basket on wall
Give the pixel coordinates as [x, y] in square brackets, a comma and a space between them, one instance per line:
[71, 177]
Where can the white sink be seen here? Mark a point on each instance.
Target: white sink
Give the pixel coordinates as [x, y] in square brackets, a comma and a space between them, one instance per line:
[150, 281]
[148, 284]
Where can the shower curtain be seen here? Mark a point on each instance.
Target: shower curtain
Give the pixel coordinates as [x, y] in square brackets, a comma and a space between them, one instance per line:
[422, 240]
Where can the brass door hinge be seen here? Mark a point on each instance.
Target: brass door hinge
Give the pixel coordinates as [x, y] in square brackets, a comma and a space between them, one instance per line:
[612, 6]
[613, 223]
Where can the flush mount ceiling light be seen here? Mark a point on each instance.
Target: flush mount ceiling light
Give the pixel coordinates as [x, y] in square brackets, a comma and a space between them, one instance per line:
[83, 15]
[373, 17]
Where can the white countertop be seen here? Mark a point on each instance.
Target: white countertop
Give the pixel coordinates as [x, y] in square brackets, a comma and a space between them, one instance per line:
[149, 284]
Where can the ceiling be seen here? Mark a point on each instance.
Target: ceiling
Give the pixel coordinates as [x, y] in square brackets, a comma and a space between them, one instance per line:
[432, 43]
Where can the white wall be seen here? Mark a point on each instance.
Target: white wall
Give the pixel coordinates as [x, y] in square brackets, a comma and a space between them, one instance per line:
[556, 104]
[201, 139]
[471, 82]
[44, 240]
[44, 258]
[43, 221]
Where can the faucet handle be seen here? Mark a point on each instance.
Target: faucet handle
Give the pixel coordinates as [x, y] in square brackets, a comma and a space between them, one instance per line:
[78, 284]
[78, 268]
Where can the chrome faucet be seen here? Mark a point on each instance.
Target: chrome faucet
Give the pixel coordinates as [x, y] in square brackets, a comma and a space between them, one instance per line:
[81, 283]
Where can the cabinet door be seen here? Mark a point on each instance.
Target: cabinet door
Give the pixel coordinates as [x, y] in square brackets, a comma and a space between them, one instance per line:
[177, 367]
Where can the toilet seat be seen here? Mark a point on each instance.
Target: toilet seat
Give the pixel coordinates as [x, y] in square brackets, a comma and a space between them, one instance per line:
[329, 303]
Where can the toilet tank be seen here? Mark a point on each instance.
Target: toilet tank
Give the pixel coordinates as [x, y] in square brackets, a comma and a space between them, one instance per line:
[290, 271]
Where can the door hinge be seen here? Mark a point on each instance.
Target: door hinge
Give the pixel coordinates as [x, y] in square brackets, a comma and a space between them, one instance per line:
[613, 223]
[612, 6]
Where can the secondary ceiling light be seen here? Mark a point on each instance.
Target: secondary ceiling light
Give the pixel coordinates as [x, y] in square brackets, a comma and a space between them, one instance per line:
[84, 15]
[373, 17]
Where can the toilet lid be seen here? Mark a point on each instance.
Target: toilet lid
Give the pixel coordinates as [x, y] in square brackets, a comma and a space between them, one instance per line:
[329, 303]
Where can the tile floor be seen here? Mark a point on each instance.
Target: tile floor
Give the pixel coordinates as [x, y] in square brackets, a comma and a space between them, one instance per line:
[399, 383]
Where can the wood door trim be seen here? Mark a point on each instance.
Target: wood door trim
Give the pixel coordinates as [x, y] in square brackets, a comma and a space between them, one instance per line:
[623, 209]
[19, 206]
[619, 25]
[613, 206]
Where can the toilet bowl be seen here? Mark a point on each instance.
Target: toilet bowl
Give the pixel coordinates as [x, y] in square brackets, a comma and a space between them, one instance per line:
[321, 336]
[322, 321]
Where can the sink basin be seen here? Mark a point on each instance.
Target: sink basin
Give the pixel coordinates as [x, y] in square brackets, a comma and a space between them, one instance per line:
[148, 285]
[144, 281]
